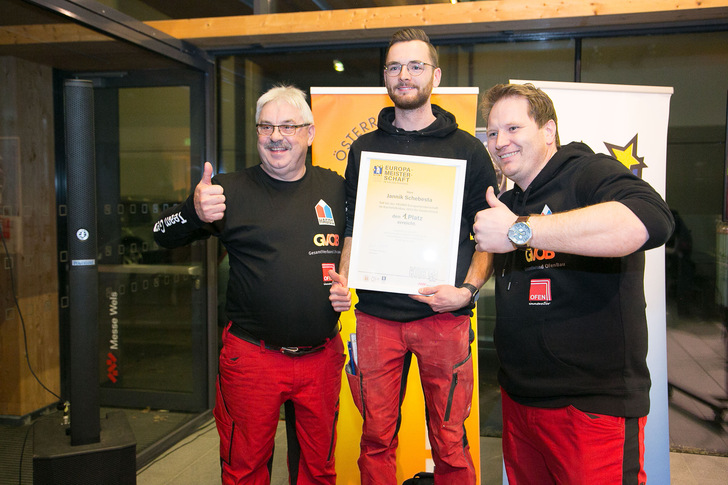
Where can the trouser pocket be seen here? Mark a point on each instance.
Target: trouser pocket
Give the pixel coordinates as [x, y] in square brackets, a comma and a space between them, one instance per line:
[459, 400]
[225, 425]
[355, 387]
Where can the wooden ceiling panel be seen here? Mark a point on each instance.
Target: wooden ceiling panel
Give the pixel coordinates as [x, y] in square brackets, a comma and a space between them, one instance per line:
[439, 20]
[188, 9]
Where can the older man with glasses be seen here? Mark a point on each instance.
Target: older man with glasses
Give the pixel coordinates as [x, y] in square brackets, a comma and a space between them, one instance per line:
[434, 325]
[282, 344]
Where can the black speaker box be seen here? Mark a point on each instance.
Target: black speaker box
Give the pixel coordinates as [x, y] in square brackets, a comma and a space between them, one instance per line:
[112, 461]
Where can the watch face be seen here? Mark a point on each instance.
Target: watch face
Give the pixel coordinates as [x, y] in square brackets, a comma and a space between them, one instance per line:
[519, 233]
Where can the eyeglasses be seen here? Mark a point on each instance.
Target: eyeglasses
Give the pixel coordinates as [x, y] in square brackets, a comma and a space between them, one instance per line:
[414, 67]
[264, 129]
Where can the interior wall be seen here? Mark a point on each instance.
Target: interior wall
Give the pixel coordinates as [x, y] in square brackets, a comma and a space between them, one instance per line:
[28, 269]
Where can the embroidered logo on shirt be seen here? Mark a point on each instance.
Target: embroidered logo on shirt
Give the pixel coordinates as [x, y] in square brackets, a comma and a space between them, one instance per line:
[324, 214]
[546, 210]
[325, 268]
[326, 240]
[540, 292]
[533, 254]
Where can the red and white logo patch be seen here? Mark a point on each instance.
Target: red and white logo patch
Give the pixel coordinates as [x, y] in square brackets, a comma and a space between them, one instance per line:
[325, 268]
[540, 292]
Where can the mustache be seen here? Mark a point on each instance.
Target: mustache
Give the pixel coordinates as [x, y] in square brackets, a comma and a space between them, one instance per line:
[278, 144]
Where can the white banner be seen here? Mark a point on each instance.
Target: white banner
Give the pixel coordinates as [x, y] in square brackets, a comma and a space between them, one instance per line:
[630, 123]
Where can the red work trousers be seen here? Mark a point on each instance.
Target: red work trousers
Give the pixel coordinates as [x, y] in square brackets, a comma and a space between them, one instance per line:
[543, 446]
[441, 344]
[252, 384]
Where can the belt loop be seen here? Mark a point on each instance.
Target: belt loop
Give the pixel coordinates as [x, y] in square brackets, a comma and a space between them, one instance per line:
[226, 330]
[262, 346]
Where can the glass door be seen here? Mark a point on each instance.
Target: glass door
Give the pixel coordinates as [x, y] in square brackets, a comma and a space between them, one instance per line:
[153, 345]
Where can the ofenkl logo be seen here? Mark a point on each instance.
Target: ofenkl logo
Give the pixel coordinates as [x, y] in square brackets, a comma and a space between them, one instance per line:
[540, 292]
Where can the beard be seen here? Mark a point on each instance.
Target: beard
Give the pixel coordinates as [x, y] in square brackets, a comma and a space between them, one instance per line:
[420, 99]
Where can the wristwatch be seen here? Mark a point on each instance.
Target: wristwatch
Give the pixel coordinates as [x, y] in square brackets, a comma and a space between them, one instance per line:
[474, 292]
[520, 232]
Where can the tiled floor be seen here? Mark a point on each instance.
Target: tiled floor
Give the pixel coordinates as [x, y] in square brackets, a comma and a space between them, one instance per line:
[194, 461]
[697, 372]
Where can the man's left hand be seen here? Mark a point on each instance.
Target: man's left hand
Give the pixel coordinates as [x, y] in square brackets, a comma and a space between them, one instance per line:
[491, 226]
[443, 298]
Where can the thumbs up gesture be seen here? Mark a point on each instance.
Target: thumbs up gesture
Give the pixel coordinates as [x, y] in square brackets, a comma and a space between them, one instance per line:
[339, 294]
[209, 198]
[491, 226]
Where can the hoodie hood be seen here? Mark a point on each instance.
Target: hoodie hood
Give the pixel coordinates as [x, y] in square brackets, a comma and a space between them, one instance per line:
[517, 198]
[563, 155]
[443, 125]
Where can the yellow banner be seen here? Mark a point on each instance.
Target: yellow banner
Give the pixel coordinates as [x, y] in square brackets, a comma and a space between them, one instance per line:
[341, 116]
[344, 114]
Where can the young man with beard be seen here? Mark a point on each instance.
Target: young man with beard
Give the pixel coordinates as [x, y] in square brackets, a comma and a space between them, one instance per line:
[282, 344]
[571, 335]
[435, 325]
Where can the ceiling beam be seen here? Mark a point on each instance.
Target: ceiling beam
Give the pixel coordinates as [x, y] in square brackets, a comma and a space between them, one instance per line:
[468, 19]
[48, 34]
[486, 18]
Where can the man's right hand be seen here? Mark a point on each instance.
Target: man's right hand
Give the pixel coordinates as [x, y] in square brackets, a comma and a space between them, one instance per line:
[209, 198]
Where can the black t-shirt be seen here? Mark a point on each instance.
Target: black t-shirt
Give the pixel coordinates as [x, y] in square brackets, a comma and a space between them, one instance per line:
[282, 238]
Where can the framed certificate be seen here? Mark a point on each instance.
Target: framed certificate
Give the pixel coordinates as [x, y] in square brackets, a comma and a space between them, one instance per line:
[407, 222]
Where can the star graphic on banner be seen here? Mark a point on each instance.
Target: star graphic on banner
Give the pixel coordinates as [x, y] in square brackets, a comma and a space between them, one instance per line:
[627, 155]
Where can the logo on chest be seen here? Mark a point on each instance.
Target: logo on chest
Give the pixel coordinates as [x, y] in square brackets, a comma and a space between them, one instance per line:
[324, 214]
[540, 292]
[325, 268]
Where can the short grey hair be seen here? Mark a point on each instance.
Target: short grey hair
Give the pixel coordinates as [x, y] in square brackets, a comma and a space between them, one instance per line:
[288, 94]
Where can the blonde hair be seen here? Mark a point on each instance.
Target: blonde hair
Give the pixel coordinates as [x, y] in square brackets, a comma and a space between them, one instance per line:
[541, 108]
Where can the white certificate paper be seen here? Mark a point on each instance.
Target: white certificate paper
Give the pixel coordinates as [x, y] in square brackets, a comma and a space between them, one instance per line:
[407, 222]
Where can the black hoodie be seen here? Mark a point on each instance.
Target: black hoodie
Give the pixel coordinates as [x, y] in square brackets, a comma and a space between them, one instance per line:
[441, 139]
[571, 330]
